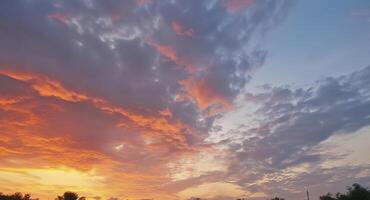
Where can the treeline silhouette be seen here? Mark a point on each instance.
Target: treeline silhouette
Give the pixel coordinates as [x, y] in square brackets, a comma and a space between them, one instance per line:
[354, 192]
[19, 196]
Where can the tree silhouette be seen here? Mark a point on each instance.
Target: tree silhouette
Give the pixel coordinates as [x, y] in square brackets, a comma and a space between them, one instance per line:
[70, 196]
[277, 198]
[355, 192]
[16, 196]
[328, 196]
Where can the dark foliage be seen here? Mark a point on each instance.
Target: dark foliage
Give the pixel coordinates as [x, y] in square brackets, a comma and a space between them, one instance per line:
[16, 196]
[70, 196]
[277, 198]
[355, 192]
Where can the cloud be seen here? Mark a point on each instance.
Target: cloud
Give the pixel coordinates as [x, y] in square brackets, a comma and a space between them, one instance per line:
[149, 77]
[129, 91]
[180, 30]
[213, 190]
[143, 2]
[205, 95]
[236, 5]
[289, 124]
[58, 16]
[363, 15]
[303, 118]
[166, 51]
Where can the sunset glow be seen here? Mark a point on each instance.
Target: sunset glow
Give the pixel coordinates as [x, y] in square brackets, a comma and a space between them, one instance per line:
[184, 99]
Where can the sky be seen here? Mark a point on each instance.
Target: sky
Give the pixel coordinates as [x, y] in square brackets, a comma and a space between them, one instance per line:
[177, 99]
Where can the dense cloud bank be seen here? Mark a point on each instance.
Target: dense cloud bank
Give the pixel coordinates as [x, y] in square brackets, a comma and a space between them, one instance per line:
[126, 88]
[280, 143]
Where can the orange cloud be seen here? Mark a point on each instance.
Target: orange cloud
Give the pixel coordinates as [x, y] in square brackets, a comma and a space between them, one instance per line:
[53, 157]
[198, 90]
[38, 134]
[182, 62]
[44, 86]
[204, 95]
[236, 5]
[179, 30]
[166, 51]
[156, 124]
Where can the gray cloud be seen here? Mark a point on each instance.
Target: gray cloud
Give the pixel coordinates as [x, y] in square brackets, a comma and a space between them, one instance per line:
[101, 49]
[291, 123]
[129, 55]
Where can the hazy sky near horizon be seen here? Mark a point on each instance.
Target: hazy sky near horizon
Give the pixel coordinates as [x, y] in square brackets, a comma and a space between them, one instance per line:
[173, 99]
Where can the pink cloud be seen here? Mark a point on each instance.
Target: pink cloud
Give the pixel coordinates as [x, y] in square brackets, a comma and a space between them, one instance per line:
[180, 30]
[165, 50]
[143, 2]
[59, 17]
[115, 17]
[236, 5]
[182, 62]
